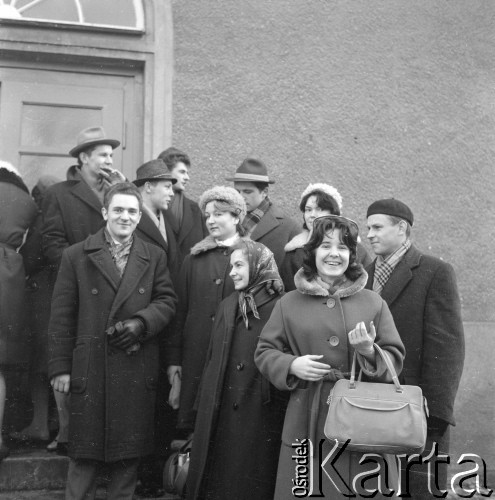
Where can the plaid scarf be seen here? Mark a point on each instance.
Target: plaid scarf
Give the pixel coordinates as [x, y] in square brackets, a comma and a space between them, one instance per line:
[252, 218]
[119, 251]
[385, 267]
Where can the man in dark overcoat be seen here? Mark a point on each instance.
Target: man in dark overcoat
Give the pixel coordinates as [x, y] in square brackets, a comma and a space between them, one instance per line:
[264, 221]
[421, 292]
[113, 297]
[183, 214]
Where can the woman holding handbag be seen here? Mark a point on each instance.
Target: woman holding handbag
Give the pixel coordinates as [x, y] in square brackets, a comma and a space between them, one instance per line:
[240, 414]
[308, 344]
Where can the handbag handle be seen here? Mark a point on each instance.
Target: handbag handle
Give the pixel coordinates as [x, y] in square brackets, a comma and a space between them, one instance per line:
[388, 364]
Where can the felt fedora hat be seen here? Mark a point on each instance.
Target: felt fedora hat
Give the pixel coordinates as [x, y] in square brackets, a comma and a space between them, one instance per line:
[154, 170]
[251, 170]
[92, 136]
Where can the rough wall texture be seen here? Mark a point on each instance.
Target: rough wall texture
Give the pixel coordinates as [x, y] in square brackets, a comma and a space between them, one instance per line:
[380, 99]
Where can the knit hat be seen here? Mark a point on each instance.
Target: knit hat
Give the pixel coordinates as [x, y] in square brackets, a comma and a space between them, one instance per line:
[392, 207]
[324, 188]
[227, 195]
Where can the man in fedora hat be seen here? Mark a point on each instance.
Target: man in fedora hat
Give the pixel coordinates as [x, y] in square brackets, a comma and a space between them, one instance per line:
[421, 292]
[72, 211]
[155, 182]
[264, 222]
[183, 215]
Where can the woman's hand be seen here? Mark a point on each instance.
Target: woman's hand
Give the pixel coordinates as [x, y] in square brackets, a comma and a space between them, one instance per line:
[361, 340]
[307, 368]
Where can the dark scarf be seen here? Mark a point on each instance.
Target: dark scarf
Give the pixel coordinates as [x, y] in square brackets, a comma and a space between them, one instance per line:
[262, 268]
[12, 178]
[252, 218]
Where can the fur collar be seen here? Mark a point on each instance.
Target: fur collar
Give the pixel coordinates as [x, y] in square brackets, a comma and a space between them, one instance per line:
[313, 288]
[298, 241]
[205, 245]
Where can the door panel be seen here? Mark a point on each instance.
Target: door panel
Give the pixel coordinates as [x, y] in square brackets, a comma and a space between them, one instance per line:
[42, 112]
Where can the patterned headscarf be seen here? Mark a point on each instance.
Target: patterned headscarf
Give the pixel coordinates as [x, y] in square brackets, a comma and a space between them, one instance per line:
[262, 268]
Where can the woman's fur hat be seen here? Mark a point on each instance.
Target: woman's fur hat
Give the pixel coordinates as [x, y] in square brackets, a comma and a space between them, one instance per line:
[227, 195]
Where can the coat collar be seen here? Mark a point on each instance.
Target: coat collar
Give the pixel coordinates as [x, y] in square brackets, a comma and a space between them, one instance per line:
[298, 241]
[206, 244]
[268, 222]
[148, 227]
[400, 277]
[81, 190]
[306, 287]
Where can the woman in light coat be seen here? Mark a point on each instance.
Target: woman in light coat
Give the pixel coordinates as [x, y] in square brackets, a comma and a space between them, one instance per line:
[308, 344]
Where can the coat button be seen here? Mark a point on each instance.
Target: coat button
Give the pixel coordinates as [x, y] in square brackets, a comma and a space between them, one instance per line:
[213, 317]
[334, 341]
[218, 281]
[226, 252]
[141, 291]
[235, 406]
[240, 366]
[331, 303]
[94, 291]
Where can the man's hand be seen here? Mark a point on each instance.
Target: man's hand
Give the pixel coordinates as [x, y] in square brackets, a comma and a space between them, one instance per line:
[61, 383]
[307, 368]
[125, 333]
[171, 371]
[110, 176]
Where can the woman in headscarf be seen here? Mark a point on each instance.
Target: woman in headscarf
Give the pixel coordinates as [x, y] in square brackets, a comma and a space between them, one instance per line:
[308, 344]
[18, 211]
[316, 200]
[240, 414]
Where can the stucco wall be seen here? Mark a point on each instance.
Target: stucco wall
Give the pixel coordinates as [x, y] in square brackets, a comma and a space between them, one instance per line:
[380, 99]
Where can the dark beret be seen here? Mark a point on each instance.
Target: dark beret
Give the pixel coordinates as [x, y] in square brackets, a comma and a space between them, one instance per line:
[392, 207]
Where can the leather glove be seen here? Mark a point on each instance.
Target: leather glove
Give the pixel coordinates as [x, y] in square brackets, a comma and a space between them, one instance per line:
[126, 333]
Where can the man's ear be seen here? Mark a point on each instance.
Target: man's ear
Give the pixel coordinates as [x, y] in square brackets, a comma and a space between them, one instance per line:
[264, 192]
[403, 226]
[104, 213]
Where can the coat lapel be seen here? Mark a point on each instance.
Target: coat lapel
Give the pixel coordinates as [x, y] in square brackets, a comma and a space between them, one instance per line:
[265, 225]
[149, 229]
[137, 265]
[401, 276]
[187, 221]
[99, 255]
[82, 191]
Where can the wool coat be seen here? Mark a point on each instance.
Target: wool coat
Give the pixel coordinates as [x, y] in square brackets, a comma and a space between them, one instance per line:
[423, 299]
[112, 393]
[310, 321]
[191, 231]
[204, 283]
[274, 230]
[72, 212]
[294, 255]
[17, 212]
[239, 414]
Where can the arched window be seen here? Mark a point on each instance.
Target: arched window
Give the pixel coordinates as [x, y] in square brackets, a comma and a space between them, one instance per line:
[123, 14]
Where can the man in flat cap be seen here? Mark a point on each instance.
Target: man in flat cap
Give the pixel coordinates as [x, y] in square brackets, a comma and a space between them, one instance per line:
[264, 221]
[421, 292]
[72, 211]
[183, 214]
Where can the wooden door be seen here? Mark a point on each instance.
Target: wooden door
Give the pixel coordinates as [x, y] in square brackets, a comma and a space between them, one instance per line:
[42, 112]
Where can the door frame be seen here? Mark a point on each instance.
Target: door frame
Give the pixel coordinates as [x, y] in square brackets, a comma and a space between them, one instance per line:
[151, 52]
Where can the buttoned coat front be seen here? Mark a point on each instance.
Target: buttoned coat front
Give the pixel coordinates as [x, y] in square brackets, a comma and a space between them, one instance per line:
[112, 393]
[423, 299]
[310, 321]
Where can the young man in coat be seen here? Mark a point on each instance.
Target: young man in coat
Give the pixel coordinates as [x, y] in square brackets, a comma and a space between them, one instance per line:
[112, 298]
[183, 214]
[421, 292]
[264, 222]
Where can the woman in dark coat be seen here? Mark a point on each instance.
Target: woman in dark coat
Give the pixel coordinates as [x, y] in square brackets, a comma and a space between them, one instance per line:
[308, 343]
[203, 285]
[240, 414]
[316, 200]
[17, 211]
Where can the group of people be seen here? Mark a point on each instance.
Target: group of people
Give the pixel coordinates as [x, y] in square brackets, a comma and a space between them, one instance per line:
[154, 316]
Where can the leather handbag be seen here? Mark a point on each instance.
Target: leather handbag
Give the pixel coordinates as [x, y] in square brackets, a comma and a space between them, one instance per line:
[377, 417]
[176, 469]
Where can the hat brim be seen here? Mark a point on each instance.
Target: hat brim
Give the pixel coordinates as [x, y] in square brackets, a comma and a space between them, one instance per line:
[140, 182]
[241, 178]
[81, 147]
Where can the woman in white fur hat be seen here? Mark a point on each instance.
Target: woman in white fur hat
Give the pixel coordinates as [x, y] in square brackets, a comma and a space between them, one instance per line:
[316, 200]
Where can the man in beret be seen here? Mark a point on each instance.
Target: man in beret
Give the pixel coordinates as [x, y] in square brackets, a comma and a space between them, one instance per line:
[264, 221]
[421, 292]
[183, 214]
